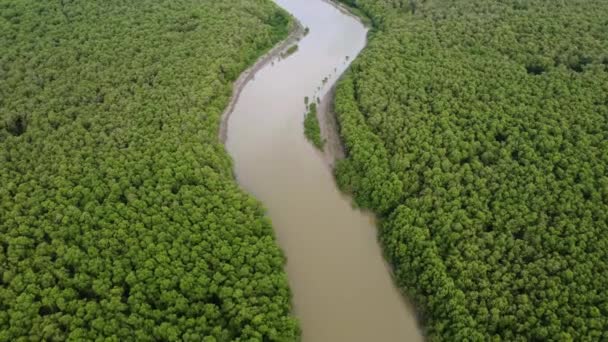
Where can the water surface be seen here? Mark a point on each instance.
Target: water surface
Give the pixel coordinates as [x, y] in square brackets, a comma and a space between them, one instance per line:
[342, 287]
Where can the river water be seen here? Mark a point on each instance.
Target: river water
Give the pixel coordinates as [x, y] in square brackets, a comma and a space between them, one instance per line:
[342, 286]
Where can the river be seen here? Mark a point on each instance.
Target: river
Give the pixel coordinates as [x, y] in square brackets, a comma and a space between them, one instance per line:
[342, 288]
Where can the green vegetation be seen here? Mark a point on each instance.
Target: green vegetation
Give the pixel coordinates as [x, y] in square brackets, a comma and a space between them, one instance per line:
[351, 6]
[119, 215]
[478, 131]
[312, 131]
[290, 51]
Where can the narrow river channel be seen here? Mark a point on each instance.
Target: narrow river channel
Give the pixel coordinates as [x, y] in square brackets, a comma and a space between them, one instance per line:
[342, 287]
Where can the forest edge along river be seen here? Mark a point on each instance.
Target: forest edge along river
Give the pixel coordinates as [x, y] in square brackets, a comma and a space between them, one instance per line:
[342, 287]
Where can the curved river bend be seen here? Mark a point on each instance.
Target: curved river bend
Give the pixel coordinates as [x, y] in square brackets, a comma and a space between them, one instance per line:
[342, 287]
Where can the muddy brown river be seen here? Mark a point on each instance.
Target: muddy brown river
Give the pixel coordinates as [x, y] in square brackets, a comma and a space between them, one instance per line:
[342, 288]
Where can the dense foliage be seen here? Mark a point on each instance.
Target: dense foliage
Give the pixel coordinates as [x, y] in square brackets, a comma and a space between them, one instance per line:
[119, 216]
[478, 130]
[312, 130]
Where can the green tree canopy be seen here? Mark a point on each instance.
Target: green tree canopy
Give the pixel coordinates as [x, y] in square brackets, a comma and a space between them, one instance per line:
[478, 130]
[119, 215]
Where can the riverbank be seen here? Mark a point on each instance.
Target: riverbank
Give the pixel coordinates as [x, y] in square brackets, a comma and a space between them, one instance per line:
[330, 129]
[327, 119]
[342, 288]
[335, 150]
[351, 12]
[297, 33]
